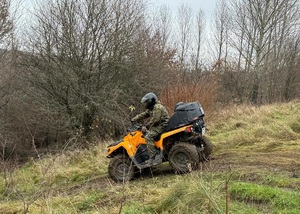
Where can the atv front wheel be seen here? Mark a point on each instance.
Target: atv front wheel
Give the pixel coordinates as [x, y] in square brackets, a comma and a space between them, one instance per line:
[183, 157]
[121, 169]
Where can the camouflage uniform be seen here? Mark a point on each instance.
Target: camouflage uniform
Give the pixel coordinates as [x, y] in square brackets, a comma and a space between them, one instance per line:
[158, 122]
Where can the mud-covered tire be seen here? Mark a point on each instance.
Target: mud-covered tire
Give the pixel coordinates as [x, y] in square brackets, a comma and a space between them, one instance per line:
[121, 169]
[208, 148]
[183, 158]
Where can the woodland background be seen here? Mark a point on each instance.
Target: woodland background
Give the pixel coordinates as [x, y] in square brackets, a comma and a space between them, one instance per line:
[72, 74]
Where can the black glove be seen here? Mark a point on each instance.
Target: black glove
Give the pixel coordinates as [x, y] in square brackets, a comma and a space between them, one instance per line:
[144, 129]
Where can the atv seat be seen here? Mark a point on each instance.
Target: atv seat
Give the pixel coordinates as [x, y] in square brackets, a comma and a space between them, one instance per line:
[184, 114]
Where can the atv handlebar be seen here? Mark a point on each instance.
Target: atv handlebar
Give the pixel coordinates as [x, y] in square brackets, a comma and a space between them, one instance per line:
[135, 126]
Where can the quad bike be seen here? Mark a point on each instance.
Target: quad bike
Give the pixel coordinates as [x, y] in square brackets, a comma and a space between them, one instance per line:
[183, 144]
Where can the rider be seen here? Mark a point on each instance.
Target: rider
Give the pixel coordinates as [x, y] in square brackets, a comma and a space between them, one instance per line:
[158, 122]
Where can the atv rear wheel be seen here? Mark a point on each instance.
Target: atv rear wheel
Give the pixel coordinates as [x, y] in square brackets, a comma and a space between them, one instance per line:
[121, 169]
[183, 158]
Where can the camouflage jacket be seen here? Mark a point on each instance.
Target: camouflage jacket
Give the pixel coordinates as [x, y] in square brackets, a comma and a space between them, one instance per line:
[158, 116]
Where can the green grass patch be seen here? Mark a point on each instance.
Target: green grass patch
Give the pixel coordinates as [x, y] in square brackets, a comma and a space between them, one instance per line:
[89, 202]
[279, 200]
[190, 196]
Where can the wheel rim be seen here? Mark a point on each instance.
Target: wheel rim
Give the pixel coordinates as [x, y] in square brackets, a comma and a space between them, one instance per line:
[181, 159]
[122, 169]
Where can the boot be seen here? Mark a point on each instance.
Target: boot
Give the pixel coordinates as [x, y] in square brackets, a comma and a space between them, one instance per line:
[155, 160]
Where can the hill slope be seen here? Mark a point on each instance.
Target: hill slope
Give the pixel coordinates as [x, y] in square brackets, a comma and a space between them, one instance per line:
[254, 169]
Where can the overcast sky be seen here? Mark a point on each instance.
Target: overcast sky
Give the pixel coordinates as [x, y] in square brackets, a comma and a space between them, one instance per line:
[207, 6]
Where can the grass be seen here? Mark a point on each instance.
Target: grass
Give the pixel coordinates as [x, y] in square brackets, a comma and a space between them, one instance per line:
[256, 128]
[256, 153]
[191, 195]
[276, 199]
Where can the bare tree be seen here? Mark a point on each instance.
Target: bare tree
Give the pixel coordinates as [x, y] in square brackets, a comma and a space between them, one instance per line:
[290, 84]
[221, 28]
[86, 62]
[6, 24]
[6, 30]
[8, 75]
[200, 23]
[257, 37]
[162, 27]
[185, 20]
[79, 55]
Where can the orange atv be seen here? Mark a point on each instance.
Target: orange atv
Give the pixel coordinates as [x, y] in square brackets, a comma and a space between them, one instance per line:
[183, 145]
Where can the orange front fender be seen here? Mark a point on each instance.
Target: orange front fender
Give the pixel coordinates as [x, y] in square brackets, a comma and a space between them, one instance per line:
[130, 143]
[122, 145]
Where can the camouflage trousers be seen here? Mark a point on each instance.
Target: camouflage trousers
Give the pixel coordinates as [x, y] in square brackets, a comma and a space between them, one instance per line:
[153, 133]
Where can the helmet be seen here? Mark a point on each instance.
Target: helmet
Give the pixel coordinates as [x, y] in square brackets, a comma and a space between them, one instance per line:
[149, 100]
